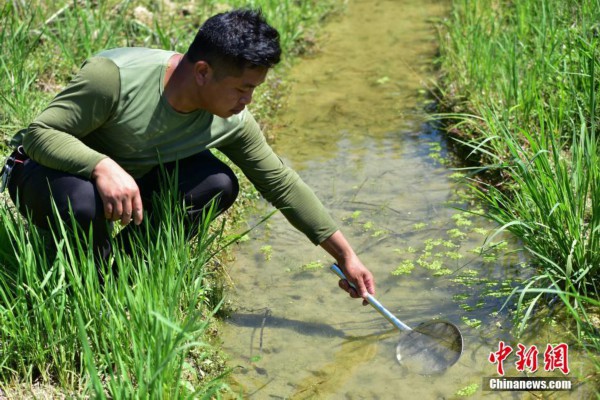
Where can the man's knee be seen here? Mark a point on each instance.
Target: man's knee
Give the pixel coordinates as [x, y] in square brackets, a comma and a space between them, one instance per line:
[81, 201]
[221, 187]
[226, 187]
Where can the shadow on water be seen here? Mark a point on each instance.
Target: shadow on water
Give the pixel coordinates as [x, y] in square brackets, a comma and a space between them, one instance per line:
[356, 131]
[269, 321]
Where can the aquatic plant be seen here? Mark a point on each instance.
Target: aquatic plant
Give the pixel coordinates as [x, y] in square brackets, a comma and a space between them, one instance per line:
[468, 390]
[313, 265]
[404, 268]
[267, 251]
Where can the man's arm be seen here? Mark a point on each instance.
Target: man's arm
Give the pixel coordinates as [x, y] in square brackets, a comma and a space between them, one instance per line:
[54, 138]
[283, 188]
[277, 183]
[353, 268]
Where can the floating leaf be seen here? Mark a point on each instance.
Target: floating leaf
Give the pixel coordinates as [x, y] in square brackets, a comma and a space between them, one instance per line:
[469, 390]
[404, 268]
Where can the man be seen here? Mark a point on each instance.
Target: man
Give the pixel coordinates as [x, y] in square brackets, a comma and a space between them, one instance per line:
[100, 146]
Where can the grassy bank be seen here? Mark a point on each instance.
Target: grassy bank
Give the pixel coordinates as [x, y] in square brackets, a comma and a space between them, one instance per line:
[519, 91]
[146, 332]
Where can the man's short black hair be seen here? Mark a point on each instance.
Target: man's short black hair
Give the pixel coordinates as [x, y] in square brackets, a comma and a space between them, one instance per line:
[232, 41]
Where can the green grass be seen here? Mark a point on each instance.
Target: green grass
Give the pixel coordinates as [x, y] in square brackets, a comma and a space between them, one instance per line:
[148, 331]
[523, 57]
[519, 89]
[144, 332]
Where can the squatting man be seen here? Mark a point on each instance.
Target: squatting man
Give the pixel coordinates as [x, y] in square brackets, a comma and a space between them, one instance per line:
[130, 114]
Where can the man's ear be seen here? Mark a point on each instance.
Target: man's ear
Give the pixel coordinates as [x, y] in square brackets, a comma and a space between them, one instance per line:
[202, 72]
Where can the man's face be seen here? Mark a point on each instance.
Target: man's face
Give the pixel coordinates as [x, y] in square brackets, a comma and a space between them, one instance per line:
[231, 94]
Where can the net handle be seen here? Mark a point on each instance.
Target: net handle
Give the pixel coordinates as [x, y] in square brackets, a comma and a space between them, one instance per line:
[374, 302]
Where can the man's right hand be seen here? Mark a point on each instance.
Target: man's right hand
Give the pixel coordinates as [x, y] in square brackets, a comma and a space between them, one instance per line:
[119, 192]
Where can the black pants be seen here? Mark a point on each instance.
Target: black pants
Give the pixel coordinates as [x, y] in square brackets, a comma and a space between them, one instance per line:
[201, 178]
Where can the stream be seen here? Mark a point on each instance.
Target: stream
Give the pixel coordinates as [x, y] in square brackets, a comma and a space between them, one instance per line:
[356, 130]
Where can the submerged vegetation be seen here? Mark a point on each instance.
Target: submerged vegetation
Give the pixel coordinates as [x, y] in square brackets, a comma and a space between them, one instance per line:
[146, 331]
[518, 91]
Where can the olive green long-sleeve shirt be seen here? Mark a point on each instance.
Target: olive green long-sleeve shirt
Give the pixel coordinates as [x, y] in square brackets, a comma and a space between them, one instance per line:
[115, 107]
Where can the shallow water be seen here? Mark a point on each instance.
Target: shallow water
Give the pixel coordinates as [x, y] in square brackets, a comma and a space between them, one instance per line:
[355, 129]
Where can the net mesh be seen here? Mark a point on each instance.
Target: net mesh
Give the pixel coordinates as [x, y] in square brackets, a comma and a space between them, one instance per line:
[430, 348]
